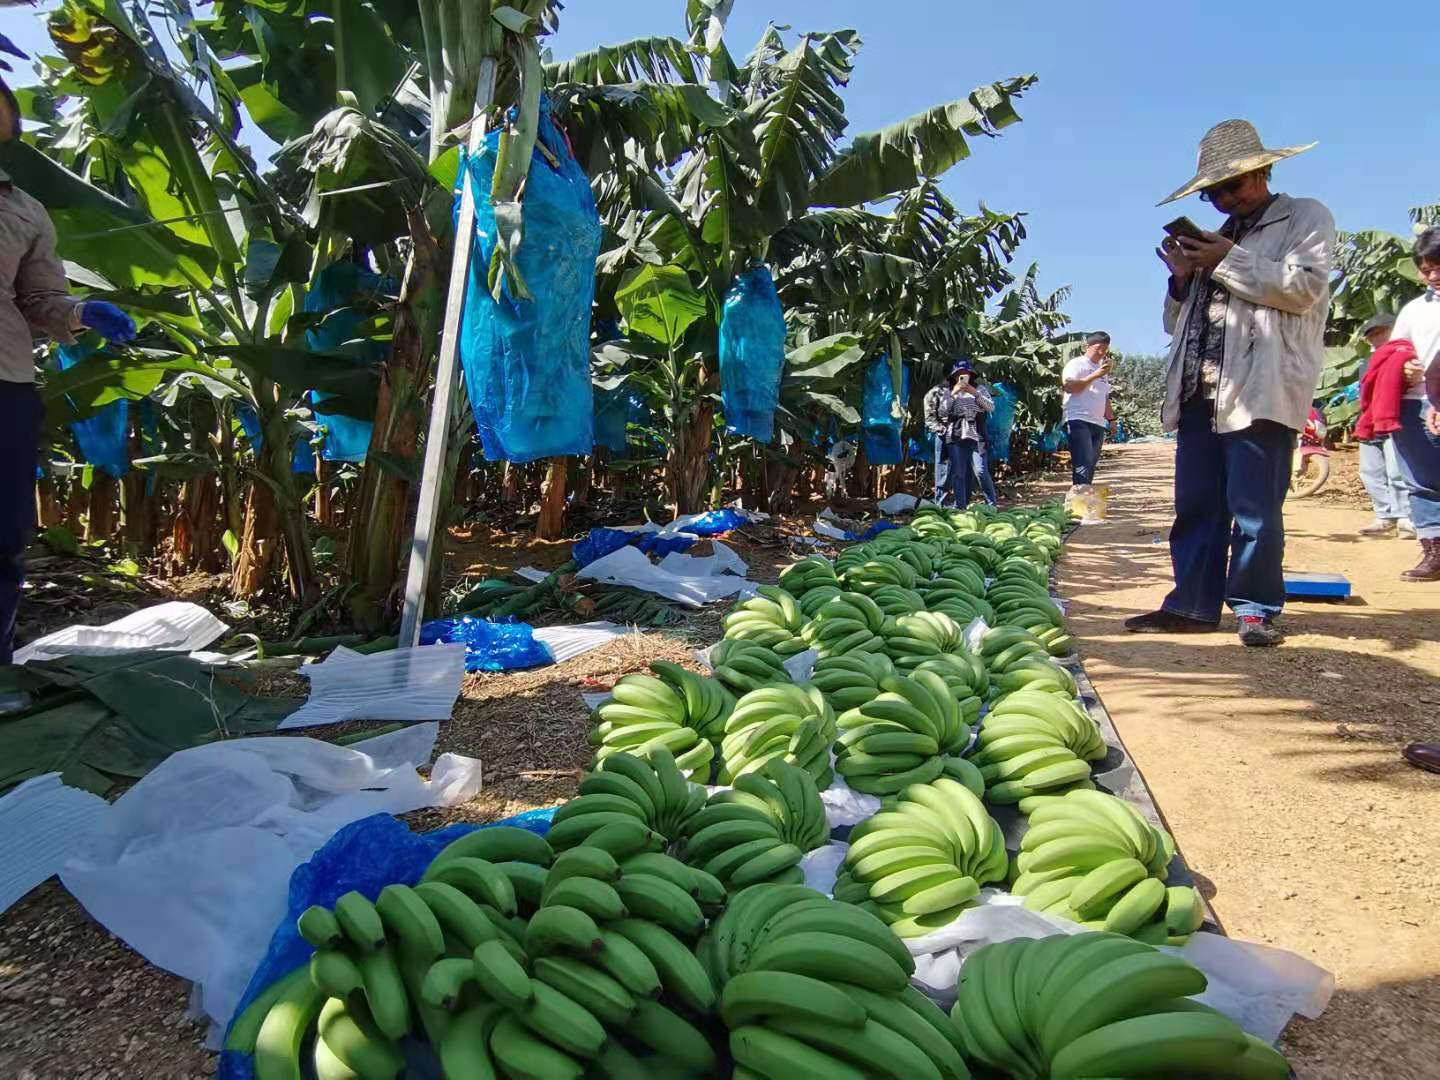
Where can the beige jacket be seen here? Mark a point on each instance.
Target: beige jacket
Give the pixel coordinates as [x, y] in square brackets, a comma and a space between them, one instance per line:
[1279, 283]
[34, 295]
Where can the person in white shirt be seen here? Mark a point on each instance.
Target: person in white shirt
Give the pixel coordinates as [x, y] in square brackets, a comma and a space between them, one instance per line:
[1087, 406]
[1417, 447]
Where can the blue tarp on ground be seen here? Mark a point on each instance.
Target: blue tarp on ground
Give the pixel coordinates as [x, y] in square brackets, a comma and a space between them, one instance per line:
[490, 645]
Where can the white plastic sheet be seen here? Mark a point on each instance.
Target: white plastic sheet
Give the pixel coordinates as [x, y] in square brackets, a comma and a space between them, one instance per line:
[403, 684]
[191, 866]
[42, 823]
[824, 528]
[725, 560]
[568, 642]
[898, 503]
[822, 865]
[630, 566]
[175, 625]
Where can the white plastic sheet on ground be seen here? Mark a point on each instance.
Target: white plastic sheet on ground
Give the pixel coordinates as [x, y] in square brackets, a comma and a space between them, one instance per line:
[176, 625]
[631, 566]
[568, 642]
[1257, 986]
[42, 823]
[725, 560]
[403, 684]
[191, 866]
[898, 503]
[824, 528]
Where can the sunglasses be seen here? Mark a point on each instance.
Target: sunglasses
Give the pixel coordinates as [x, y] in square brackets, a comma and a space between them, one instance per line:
[1226, 188]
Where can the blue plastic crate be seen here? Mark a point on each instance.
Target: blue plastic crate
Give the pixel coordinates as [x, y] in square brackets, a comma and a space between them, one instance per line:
[1310, 586]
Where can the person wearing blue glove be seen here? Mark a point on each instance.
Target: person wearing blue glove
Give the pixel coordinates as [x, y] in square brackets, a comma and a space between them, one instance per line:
[34, 302]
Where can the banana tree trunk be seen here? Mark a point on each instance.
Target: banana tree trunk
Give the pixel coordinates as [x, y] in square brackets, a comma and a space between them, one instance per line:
[258, 551]
[688, 462]
[551, 523]
[100, 525]
[275, 512]
[382, 501]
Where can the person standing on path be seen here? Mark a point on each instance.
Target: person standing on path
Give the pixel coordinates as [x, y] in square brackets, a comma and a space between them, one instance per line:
[930, 406]
[962, 410]
[1379, 464]
[1086, 406]
[34, 300]
[1416, 441]
[1247, 308]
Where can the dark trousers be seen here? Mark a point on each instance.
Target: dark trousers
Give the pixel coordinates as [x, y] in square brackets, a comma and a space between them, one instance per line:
[1229, 499]
[1419, 455]
[1086, 439]
[20, 416]
[980, 462]
[960, 480]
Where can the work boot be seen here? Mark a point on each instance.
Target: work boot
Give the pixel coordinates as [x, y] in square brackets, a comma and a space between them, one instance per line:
[1379, 529]
[1429, 566]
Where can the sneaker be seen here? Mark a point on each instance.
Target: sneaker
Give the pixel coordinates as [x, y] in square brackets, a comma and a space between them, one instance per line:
[1259, 632]
[1379, 529]
[1405, 528]
[1167, 622]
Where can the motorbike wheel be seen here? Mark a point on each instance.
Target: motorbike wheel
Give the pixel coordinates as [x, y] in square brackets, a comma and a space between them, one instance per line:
[1309, 475]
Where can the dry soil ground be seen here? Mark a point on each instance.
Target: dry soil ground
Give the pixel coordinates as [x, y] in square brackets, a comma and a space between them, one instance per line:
[1278, 772]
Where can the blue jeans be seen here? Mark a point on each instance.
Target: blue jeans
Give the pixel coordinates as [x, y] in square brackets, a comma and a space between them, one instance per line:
[942, 470]
[1380, 473]
[980, 465]
[20, 416]
[1229, 501]
[959, 479]
[1419, 454]
[1086, 439]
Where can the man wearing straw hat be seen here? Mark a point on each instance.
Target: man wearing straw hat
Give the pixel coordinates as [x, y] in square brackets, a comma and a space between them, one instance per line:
[34, 299]
[1247, 308]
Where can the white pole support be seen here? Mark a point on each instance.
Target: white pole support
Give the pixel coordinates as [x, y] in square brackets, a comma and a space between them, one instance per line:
[422, 548]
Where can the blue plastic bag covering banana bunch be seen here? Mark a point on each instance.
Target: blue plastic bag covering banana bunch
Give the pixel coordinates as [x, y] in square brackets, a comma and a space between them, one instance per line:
[882, 426]
[527, 362]
[752, 354]
[1001, 422]
[104, 439]
[342, 289]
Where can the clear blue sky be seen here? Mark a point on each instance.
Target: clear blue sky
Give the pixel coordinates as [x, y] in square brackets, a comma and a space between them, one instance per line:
[1125, 92]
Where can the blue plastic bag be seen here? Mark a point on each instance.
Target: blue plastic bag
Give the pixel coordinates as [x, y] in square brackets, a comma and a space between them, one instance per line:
[103, 438]
[490, 645]
[1001, 422]
[527, 362]
[602, 542]
[883, 445]
[615, 411]
[336, 289]
[752, 354]
[365, 855]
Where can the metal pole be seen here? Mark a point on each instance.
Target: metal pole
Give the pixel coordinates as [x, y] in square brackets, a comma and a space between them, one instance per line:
[446, 372]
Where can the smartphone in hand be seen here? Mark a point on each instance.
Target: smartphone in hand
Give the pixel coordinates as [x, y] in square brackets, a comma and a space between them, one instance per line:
[1183, 227]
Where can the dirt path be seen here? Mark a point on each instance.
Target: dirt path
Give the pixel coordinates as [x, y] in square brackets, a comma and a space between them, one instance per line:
[1279, 769]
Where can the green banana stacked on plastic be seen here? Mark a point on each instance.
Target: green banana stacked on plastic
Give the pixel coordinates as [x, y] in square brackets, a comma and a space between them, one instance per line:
[645, 714]
[747, 665]
[811, 572]
[1097, 1005]
[1019, 599]
[921, 861]
[875, 572]
[759, 830]
[771, 617]
[848, 622]
[650, 794]
[1093, 859]
[812, 988]
[1034, 743]
[790, 722]
[849, 680]
[901, 736]
[707, 702]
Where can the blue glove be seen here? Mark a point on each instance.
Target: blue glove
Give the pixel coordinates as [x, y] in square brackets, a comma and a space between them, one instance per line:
[108, 321]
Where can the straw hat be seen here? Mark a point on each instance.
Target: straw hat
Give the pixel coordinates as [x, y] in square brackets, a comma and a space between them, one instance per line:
[1229, 149]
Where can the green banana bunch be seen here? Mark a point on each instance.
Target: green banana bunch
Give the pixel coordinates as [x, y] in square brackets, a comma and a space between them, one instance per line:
[645, 715]
[811, 572]
[877, 571]
[812, 601]
[622, 604]
[897, 600]
[848, 622]
[1092, 858]
[809, 987]
[1023, 719]
[790, 722]
[923, 859]
[850, 679]
[964, 673]
[911, 638]
[650, 792]
[707, 703]
[898, 737]
[929, 522]
[760, 829]
[1020, 600]
[747, 665]
[1096, 1004]
[771, 617]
